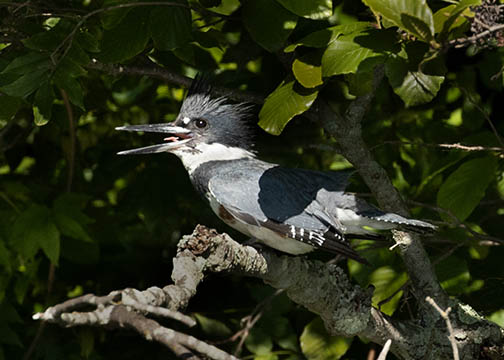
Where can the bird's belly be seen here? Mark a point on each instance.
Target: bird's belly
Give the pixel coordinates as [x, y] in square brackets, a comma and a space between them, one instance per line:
[272, 239]
[263, 235]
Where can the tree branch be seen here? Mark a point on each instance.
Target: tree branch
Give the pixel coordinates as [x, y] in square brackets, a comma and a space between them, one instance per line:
[322, 288]
[159, 72]
[347, 130]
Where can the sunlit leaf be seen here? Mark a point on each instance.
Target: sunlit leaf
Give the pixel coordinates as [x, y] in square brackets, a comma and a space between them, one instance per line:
[413, 86]
[357, 50]
[450, 16]
[212, 327]
[498, 317]
[308, 71]
[453, 274]
[412, 16]
[42, 104]
[387, 283]
[283, 104]
[324, 37]
[313, 9]
[259, 342]
[317, 344]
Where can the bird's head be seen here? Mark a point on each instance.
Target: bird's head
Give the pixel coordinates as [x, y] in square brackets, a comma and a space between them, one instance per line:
[204, 123]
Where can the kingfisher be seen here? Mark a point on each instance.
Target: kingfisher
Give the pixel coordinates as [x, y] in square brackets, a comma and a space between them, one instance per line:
[292, 210]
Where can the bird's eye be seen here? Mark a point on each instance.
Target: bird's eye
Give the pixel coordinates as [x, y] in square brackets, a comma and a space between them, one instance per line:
[201, 123]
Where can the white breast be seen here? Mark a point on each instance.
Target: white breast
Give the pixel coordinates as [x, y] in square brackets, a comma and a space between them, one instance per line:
[264, 235]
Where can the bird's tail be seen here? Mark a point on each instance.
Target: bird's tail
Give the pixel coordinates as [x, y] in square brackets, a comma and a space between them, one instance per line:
[418, 226]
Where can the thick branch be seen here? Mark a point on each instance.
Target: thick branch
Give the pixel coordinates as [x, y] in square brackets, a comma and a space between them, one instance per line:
[347, 130]
[344, 307]
[322, 288]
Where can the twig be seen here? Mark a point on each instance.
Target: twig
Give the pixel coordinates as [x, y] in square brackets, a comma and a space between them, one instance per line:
[71, 131]
[457, 222]
[456, 146]
[483, 112]
[461, 42]
[252, 319]
[9, 202]
[159, 311]
[445, 315]
[385, 350]
[115, 309]
[159, 72]
[152, 330]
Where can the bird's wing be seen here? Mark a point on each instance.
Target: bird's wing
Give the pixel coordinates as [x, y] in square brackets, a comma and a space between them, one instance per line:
[284, 201]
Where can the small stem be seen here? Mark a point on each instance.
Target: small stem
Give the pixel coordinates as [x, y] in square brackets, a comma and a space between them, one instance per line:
[71, 131]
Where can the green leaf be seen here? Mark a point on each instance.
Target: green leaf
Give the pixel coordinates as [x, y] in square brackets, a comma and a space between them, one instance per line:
[210, 3]
[498, 317]
[313, 9]
[360, 83]
[72, 204]
[283, 104]
[5, 257]
[42, 104]
[8, 335]
[413, 16]
[111, 18]
[34, 230]
[344, 55]
[322, 38]
[72, 88]
[212, 327]
[259, 342]
[268, 23]
[465, 187]
[26, 84]
[27, 63]
[413, 87]
[387, 281]
[87, 342]
[9, 106]
[196, 57]
[317, 344]
[448, 17]
[170, 26]
[9, 314]
[88, 41]
[453, 274]
[417, 27]
[307, 70]
[70, 227]
[128, 38]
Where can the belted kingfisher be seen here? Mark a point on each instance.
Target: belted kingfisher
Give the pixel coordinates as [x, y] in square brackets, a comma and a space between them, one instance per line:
[291, 210]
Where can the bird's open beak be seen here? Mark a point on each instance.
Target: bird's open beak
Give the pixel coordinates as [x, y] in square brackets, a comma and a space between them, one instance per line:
[177, 136]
